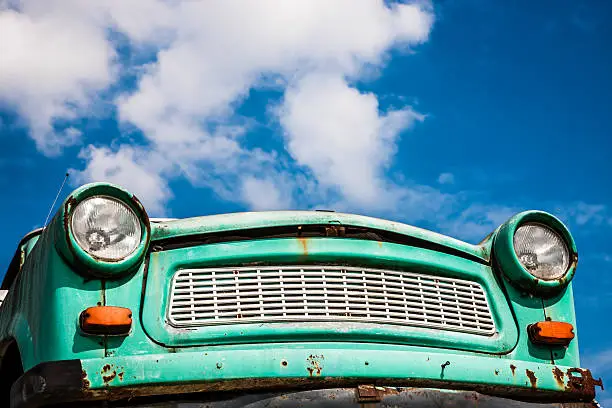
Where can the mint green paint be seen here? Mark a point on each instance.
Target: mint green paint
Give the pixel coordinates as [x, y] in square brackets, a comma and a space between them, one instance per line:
[42, 308]
[68, 247]
[29, 245]
[509, 263]
[339, 360]
[561, 308]
[127, 293]
[527, 309]
[163, 265]
[236, 221]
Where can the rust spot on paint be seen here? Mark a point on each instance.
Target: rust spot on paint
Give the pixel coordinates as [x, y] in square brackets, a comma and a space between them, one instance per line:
[379, 244]
[512, 368]
[581, 380]
[532, 378]
[496, 372]
[315, 364]
[558, 376]
[84, 380]
[120, 375]
[304, 244]
[109, 378]
[107, 374]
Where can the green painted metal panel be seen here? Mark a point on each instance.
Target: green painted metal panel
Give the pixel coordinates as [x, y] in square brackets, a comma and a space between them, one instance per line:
[42, 308]
[235, 221]
[163, 265]
[318, 361]
[127, 292]
[561, 309]
[527, 309]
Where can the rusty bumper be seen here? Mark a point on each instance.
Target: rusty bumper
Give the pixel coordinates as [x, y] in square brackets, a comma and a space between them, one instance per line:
[67, 382]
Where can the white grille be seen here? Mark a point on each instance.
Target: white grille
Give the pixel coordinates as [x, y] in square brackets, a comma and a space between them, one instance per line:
[203, 297]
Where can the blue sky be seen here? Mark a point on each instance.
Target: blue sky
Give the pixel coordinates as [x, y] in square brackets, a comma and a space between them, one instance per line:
[451, 117]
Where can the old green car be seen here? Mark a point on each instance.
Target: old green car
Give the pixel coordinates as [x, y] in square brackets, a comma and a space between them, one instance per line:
[105, 306]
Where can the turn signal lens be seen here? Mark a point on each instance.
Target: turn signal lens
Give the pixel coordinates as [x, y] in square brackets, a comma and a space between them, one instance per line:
[551, 333]
[106, 320]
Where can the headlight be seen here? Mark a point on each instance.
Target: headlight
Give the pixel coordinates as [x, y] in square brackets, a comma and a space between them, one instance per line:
[541, 251]
[106, 228]
[102, 231]
[535, 252]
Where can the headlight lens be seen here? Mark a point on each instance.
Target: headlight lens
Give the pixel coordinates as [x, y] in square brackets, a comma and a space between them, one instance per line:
[541, 251]
[106, 228]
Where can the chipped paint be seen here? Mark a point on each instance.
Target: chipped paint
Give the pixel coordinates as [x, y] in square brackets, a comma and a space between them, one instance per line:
[109, 372]
[84, 380]
[532, 378]
[304, 244]
[558, 374]
[315, 365]
[579, 379]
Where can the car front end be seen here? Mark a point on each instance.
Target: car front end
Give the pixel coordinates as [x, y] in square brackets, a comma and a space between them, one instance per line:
[291, 305]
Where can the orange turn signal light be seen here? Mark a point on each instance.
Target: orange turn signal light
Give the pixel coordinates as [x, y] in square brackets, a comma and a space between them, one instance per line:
[551, 333]
[106, 320]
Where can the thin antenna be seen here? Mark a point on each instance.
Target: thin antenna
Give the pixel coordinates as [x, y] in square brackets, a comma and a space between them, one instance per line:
[55, 201]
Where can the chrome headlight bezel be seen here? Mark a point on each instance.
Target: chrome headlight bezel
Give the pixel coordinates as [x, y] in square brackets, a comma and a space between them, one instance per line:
[509, 263]
[87, 263]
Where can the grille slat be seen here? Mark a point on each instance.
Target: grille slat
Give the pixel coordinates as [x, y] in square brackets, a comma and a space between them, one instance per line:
[204, 297]
[316, 297]
[227, 279]
[316, 305]
[341, 285]
[383, 315]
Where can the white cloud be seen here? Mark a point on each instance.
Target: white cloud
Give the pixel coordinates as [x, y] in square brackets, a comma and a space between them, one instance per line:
[446, 178]
[263, 194]
[598, 362]
[51, 64]
[208, 56]
[135, 169]
[339, 134]
[221, 52]
[584, 214]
